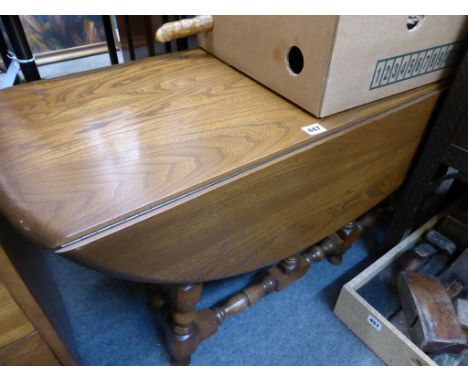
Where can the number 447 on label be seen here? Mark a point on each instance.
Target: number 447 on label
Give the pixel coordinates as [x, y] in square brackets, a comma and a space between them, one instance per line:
[314, 129]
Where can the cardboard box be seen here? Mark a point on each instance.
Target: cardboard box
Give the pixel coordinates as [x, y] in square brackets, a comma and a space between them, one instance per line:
[391, 345]
[327, 64]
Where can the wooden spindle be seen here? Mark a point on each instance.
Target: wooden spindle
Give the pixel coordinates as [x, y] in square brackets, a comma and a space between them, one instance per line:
[241, 301]
[182, 336]
[183, 28]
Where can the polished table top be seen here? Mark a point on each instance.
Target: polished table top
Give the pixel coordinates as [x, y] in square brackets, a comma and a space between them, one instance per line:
[84, 153]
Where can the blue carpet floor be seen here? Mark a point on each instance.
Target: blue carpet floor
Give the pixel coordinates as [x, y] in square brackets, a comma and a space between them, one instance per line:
[108, 322]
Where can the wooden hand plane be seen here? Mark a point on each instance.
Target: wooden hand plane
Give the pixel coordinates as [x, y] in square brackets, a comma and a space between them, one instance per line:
[429, 313]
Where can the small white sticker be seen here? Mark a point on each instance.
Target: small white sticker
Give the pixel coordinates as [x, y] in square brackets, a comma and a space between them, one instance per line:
[314, 129]
[374, 323]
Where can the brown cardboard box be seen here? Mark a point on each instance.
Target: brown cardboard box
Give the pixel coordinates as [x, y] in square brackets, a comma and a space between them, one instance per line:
[327, 64]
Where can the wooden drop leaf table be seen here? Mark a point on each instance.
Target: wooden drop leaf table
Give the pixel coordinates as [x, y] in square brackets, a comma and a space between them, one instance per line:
[178, 169]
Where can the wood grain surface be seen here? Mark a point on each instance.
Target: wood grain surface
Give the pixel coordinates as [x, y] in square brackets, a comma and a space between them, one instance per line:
[13, 322]
[268, 212]
[29, 351]
[20, 313]
[84, 153]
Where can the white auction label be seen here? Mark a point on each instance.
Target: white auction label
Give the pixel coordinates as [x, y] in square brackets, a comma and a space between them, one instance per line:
[314, 129]
[374, 323]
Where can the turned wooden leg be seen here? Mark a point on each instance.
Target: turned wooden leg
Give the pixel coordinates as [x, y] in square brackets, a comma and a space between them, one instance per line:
[183, 332]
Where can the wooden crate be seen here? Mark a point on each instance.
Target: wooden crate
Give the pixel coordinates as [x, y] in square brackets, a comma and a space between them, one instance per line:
[387, 342]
